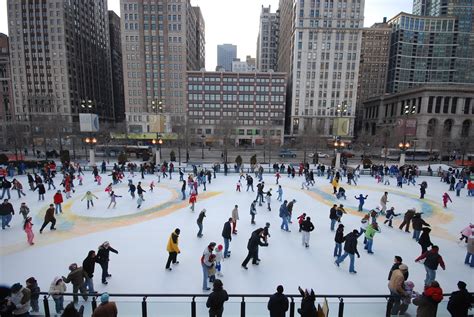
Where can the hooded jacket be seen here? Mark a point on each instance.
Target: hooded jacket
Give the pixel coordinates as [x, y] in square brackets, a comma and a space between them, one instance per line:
[396, 282]
[21, 300]
[57, 289]
[428, 302]
[172, 245]
[76, 277]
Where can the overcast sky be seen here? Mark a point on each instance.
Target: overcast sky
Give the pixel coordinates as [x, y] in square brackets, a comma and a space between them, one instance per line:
[236, 21]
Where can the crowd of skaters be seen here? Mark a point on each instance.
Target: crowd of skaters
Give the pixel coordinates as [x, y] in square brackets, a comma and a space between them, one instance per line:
[211, 260]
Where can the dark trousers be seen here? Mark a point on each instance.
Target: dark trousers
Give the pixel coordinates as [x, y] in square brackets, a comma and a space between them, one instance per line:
[171, 258]
[105, 270]
[253, 254]
[213, 312]
[53, 222]
[407, 223]
[82, 289]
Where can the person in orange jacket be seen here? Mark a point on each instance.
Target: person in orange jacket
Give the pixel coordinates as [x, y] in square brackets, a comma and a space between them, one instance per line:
[173, 248]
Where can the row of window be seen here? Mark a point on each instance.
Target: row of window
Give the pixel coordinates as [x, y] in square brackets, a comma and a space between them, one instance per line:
[235, 80]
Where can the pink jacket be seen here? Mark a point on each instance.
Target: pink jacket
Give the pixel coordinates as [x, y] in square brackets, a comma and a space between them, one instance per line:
[467, 231]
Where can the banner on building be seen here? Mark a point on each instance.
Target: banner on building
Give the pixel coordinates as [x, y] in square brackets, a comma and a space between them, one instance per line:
[406, 127]
[143, 136]
[88, 122]
[341, 126]
[157, 123]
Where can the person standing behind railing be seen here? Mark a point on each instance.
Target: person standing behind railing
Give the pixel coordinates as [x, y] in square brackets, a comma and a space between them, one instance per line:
[106, 308]
[215, 301]
[278, 303]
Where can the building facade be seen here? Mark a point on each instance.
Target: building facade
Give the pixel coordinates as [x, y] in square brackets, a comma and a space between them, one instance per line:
[7, 108]
[57, 65]
[319, 47]
[239, 66]
[247, 108]
[433, 117]
[117, 66]
[161, 39]
[373, 66]
[267, 41]
[225, 55]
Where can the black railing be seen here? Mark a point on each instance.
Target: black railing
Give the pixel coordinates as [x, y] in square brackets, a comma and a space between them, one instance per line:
[193, 309]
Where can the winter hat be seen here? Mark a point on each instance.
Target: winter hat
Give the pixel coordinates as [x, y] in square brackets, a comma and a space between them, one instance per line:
[403, 267]
[104, 298]
[409, 285]
[462, 285]
[204, 210]
[15, 288]
[72, 267]
[219, 247]
[212, 245]
[177, 231]
[106, 244]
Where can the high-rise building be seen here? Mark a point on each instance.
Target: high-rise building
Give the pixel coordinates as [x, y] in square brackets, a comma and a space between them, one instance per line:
[267, 41]
[239, 66]
[60, 59]
[6, 103]
[117, 66]
[373, 66]
[225, 55]
[320, 49]
[435, 45]
[161, 40]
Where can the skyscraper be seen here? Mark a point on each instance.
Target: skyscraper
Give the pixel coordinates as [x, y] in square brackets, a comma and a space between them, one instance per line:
[60, 58]
[117, 66]
[161, 40]
[267, 41]
[225, 55]
[320, 49]
[6, 103]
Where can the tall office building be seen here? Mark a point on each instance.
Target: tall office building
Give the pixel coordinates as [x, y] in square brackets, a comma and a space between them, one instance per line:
[319, 47]
[373, 66]
[6, 103]
[225, 55]
[117, 66]
[161, 40]
[267, 41]
[60, 57]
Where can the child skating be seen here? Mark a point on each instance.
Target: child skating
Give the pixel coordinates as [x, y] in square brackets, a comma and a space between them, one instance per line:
[28, 227]
[89, 197]
[466, 233]
[238, 186]
[446, 198]
[192, 200]
[113, 200]
[219, 259]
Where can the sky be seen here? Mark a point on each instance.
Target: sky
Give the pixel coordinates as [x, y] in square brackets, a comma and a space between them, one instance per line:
[236, 21]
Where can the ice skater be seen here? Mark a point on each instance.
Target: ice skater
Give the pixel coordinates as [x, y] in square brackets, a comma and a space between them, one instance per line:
[280, 193]
[152, 185]
[219, 259]
[113, 199]
[268, 198]
[103, 259]
[383, 202]
[200, 221]
[90, 198]
[140, 201]
[361, 200]
[28, 228]
[192, 200]
[446, 198]
[306, 228]
[238, 186]
[301, 218]
[253, 211]
[389, 216]
[467, 232]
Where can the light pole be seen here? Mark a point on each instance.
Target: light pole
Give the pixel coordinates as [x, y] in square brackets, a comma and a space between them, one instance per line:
[338, 144]
[87, 105]
[203, 137]
[92, 141]
[403, 147]
[158, 142]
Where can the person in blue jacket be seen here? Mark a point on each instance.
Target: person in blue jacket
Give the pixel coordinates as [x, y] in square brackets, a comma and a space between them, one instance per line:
[361, 200]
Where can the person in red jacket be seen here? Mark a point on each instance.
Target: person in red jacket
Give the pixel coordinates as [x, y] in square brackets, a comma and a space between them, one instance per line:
[432, 260]
[428, 301]
[192, 200]
[58, 200]
[446, 198]
[470, 188]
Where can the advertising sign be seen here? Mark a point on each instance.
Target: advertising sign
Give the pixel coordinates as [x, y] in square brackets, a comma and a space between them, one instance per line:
[341, 126]
[88, 122]
[406, 127]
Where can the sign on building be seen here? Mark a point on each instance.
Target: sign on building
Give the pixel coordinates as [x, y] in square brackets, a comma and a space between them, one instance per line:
[341, 126]
[88, 122]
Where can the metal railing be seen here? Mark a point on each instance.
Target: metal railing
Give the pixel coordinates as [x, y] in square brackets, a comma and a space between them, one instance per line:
[190, 299]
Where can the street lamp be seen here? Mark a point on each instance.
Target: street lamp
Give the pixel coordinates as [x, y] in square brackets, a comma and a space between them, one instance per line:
[87, 105]
[157, 106]
[403, 147]
[91, 141]
[408, 110]
[338, 144]
[158, 142]
[203, 137]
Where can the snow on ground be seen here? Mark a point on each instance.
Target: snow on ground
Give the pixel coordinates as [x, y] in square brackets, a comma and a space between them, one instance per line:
[140, 236]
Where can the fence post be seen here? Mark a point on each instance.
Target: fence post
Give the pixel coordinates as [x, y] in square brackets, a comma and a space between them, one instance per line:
[341, 307]
[292, 307]
[46, 306]
[193, 307]
[94, 303]
[144, 311]
[242, 307]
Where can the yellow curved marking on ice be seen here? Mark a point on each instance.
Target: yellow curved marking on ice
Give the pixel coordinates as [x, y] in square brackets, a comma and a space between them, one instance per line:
[83, 225]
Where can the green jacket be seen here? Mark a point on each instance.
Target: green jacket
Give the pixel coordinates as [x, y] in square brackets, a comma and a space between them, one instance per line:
[89, 196]
[370, 232]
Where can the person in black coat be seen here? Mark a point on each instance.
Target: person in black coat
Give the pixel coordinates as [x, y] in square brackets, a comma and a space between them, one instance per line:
[417, 224]
[252, 247]
[88, 265]
[350, 249]
[339, 239]
[227, 235]
[103, 259]
[333, 216]
[397, 261]
[460, 301]
[215, 301]
[425, 240]
[308, 309]
[278, 303]
[41, 191]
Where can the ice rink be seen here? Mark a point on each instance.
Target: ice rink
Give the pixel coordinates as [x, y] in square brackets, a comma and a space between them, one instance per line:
[141, 235]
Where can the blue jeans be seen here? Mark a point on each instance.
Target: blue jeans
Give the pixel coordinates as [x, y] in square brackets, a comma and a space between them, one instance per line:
[89, 284]
[58, 208]
[333, 223]
[280, 198]
[5, 190]
[226, 247]
[469, 259]
[369, 244]
[351, 257]
[416, 235]
[361, 207]
[59, 304]
[6, 220]
[205, 276]
[338, 249]
[430, 275]
[395, 302]
[284, 223]
[200, 229]
[184, 194]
